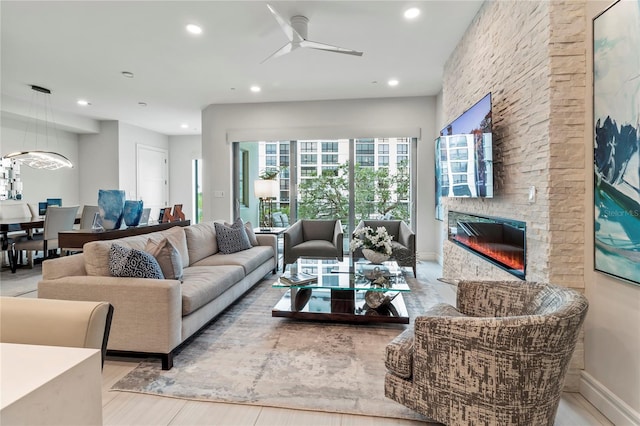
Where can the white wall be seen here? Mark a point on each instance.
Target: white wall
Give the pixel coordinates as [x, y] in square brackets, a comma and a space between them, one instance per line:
[99, 162]
[129, 137]
[611, 379]
[182, 151]
[386, 117]
[38, 185]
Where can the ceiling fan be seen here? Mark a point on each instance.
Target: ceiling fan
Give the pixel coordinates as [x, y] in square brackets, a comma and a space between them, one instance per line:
[296, 32]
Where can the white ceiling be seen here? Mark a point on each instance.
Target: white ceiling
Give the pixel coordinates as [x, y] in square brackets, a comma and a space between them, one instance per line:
[79, 49]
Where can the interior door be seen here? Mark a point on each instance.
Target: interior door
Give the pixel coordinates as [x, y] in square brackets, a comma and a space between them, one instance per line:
[152, 178]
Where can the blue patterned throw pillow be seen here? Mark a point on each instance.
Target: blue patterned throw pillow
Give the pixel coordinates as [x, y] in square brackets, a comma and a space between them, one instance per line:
[126, 262]
[232, 239]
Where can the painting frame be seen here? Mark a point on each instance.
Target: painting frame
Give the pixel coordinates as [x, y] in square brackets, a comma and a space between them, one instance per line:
[616, 141]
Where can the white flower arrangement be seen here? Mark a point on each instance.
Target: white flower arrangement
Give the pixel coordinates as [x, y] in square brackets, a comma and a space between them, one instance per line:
[378, 240]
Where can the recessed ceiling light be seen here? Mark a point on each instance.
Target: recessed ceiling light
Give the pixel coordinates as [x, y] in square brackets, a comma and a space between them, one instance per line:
[412, 13]
[142, 104]
[194, 29]
[255, 89]
[83, 102]
[393, 82]
[127, 74]
[184, 125]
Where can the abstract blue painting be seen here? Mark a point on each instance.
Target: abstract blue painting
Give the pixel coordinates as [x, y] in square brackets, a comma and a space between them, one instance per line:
[616, 119]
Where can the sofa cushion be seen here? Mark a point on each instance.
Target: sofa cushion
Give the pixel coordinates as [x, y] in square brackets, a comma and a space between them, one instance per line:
[201, 241]
[252, 235]
[249, 259]
[126, 262]
[178, 238]
[203, 284]
[96, 253]
[232, 239]
[167, 256]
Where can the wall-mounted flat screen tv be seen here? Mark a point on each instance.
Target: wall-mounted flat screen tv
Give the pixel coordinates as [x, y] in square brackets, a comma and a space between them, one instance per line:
[464, 154]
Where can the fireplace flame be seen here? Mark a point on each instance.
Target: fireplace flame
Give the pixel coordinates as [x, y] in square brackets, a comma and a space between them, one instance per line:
[511, 259]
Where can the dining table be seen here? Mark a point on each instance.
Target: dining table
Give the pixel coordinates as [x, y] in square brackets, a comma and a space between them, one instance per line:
[17, 224]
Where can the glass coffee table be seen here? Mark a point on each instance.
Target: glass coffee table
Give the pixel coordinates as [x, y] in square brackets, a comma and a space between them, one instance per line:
[353, 290]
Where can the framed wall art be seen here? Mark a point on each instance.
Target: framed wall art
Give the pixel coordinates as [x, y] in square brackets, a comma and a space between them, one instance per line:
[616, 121]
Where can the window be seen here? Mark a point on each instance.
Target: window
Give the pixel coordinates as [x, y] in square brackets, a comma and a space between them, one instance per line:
[330, 170]
[402, 159]
[383, 161]
[308, 172]
[308, 158]
[271, 148]
[403, 149]
[308, 146]
[365, 160]
[383, 148]
[365, 148]
[197, 185]
[271, 161]
[329, 158]
[329, 146]
[284, 147]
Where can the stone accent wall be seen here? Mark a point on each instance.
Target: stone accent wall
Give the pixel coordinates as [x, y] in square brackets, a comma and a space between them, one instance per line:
[532, 57]
[567, 156]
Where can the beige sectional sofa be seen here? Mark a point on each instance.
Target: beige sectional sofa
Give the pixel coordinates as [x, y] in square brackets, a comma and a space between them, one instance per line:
[155, 316]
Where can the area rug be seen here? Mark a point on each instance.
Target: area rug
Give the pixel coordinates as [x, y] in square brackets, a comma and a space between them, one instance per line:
[248, 357]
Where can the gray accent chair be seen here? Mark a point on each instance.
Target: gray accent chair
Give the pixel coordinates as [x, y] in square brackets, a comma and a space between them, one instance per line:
[403, 243]
[499, 357]
[315, 238]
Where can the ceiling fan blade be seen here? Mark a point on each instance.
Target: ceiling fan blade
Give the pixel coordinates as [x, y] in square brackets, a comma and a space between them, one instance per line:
[282, 51]
[329, 48]
[290, 32]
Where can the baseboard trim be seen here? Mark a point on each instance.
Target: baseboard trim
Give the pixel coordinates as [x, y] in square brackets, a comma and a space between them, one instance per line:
[615, 409]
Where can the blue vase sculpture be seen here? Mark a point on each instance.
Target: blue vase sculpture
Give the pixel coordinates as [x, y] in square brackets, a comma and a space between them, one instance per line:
[111, 206]
[132, 212]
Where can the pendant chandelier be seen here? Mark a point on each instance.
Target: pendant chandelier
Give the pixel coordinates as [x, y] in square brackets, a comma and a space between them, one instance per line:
[36, 158]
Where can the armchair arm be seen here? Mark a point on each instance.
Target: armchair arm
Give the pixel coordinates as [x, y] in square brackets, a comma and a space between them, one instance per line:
[496, 298]
[338, 236]
[407, 237]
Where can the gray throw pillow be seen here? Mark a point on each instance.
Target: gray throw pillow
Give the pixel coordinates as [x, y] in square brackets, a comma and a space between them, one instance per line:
[127, 262]
[247, 227]
[168, 258]
[232, 239]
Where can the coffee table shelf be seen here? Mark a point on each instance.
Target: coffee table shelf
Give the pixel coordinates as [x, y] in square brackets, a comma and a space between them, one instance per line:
[341, 292]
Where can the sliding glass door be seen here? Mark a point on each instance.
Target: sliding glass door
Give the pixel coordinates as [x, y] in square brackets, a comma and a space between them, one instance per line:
[346, 179]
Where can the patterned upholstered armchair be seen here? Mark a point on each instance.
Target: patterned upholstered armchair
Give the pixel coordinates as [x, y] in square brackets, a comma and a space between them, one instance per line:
[500, 357]
[403, 243]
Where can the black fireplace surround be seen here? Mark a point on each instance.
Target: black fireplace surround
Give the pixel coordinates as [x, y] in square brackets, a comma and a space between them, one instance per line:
[497, 240]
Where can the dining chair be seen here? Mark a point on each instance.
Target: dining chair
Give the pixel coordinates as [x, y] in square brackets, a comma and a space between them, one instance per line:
[57, 219]
[12, 210]
[88, 213]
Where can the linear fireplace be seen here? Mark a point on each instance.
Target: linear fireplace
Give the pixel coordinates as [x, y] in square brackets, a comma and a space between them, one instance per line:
[499, 241]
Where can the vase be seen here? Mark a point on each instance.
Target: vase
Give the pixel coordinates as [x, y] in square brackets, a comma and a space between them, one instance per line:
[374, 256]
[132, 212]
[111, 206]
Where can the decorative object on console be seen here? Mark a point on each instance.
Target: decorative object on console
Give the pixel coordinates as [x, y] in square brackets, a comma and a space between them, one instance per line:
[376, 245]
[132, 212]
[616, 96]
[177, 212]
[35, 158]
[111, 205]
